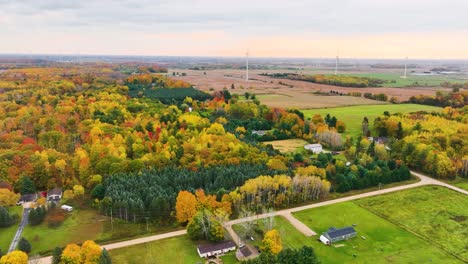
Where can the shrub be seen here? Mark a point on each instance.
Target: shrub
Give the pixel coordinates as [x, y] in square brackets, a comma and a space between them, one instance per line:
[24, 245]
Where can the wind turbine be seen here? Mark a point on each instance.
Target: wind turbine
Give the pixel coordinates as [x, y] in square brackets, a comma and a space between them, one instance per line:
[336, 63]
[247, 66]
[406, 68]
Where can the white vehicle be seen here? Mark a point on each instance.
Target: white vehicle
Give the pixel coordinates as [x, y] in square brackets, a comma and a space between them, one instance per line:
[67, 208]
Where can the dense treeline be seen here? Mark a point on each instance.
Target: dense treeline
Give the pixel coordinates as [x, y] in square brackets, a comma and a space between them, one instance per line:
[433, 143]
[337, 80]
[287, 256]
[153, 192]
[455, 99]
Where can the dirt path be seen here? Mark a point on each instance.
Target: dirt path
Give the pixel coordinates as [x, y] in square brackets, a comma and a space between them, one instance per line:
[19, 231]
[287, 213]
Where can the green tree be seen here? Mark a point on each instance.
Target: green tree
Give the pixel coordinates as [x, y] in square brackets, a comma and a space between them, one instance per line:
[24, 245]
[27, 186]
[56, 255]
[105, 257]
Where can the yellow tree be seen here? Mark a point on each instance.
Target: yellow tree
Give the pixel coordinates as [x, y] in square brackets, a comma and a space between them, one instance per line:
[15, 257]
[71, 254]
[8, 198]
[272, 242]
[90, 252]
[186, 206]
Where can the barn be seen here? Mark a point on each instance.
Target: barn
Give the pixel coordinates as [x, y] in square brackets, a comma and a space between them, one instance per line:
[335, 235]
[215, 249]
[315, 148]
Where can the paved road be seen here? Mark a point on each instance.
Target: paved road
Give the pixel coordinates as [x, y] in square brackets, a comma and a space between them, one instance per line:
[287, 213]
[19, 231]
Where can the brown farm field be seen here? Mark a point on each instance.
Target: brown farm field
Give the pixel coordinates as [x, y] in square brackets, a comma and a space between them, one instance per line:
[287, 145]
[288, 93]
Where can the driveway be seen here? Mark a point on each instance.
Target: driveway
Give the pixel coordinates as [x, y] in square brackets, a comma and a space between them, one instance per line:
[19, 231]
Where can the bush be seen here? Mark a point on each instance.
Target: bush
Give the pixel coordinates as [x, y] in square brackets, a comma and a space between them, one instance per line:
[6, 219]
[24, 245]
[37, 215]
[55, 217]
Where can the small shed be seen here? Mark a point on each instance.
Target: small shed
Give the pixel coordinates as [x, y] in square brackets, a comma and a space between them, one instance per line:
[335, 235]
[215, 249]
[315, 148]
[54, 195]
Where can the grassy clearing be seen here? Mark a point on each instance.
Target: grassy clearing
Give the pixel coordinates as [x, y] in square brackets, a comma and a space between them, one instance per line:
[353, 115]
[307, 100]
[384, 243]
[81, 225]
[436, 213]
[394, 79]
[173, 250]
[287, 145]
[7, 234]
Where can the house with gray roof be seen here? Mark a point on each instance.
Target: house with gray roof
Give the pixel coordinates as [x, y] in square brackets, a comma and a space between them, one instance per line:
[334, 235]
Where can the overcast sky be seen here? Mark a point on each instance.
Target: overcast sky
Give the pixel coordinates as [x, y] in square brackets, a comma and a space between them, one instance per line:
[268, 28]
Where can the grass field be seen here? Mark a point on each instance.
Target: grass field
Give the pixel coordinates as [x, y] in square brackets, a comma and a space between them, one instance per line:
[394, 79]
[385, 242]
[287, 145]
[7, 234]
[436, 213]
[353, 115]
[459, 182]
[83, 225]
[173, 250]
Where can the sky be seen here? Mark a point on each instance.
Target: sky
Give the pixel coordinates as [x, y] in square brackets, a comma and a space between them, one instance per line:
[423, 29]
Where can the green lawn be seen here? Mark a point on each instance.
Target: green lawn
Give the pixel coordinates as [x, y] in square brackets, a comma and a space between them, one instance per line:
[7, 234]
[436, 213]
[385, 242]
[353, 115]
[172, 250]
[394, 79]
[459, 182]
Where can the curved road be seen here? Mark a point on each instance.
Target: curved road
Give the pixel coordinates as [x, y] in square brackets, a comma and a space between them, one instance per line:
[287, 213]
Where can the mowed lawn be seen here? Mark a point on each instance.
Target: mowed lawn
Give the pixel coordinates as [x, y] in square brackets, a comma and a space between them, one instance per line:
[353, 115]
[7, 234]
[436, 213]
[384, 242]
[287, 145]
[174, 250]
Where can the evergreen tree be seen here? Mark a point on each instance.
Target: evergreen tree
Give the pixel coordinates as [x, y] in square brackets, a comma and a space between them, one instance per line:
[105, 257]
[27, 186]
[6, 219]
[24, 245]
[399, 133]
[57, 255]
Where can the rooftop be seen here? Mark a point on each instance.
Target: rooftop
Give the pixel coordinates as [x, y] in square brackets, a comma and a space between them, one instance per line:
[216, 246]
[333, 232]
[55, 191]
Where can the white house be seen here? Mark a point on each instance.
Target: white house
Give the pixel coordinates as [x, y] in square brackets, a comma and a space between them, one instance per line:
[67, 208]
[215, 249]
[54, 195]
[315, 148]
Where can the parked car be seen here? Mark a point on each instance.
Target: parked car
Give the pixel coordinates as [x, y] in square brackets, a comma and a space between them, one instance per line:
[67, 208]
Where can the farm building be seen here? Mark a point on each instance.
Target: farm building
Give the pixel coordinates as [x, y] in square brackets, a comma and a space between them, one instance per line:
[334, 235]
[219, 248]
[54, 195]
[315, 148]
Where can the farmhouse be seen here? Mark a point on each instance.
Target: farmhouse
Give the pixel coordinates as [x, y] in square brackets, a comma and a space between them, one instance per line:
[27, 198]
[54, 195]
[334, 235]
[219, 248]
[315, 148]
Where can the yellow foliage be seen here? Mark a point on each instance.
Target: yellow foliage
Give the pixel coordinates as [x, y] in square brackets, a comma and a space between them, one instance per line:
[71, 254]
[185, 206]
[272, 242]
[8, 198]
[15, 257]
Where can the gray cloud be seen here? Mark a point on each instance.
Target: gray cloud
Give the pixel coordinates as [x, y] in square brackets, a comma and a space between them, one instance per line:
[241, 17]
